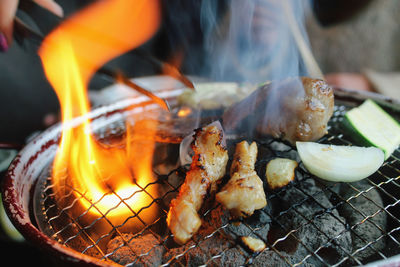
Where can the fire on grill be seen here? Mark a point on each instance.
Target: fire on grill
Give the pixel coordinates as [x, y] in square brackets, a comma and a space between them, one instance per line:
[125, 198]
[70, 58]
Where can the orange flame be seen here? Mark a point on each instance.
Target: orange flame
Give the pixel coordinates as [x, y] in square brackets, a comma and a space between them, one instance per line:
[71, 54]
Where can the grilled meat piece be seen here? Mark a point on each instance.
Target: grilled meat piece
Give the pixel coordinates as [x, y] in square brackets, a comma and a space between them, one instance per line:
[280, 172]
[244, 192]
[208, 166]
[295, 109]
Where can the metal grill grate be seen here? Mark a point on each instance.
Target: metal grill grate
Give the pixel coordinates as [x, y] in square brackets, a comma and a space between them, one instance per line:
[309, 222]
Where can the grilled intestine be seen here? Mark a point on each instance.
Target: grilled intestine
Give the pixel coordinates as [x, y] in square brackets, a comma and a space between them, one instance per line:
[207, 167]
[294, 109]
[244, 192]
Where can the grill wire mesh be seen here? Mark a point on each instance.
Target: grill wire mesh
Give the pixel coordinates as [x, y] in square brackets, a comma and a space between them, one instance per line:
[308, 222]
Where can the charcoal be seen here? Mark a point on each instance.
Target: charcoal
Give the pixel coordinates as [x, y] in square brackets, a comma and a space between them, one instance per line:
[176, 256]
[271, 258]
[200, 253]
[362, 206]
[256, 225]
[189, 255]
[143, 250]
[315, 223]
[209, 246]
[319, 229]
[284, 150]
[210, 252]
[233, 257]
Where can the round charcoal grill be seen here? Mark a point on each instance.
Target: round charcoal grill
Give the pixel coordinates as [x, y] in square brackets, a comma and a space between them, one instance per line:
[309, 222]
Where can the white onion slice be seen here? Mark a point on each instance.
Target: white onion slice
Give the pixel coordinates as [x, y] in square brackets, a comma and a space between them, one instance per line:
[185, 149]
[340, 163]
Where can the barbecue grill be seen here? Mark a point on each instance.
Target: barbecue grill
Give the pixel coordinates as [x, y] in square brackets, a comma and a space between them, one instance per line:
[308, 222]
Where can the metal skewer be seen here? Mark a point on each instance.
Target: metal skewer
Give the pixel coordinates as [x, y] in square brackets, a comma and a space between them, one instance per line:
[167, 68]
[306, 53]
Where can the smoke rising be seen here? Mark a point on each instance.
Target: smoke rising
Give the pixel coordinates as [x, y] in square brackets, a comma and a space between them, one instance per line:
[252, 40]
[248, 41]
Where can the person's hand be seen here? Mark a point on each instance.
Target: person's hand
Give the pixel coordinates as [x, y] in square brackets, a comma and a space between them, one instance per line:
[8, 9]
[349, 81]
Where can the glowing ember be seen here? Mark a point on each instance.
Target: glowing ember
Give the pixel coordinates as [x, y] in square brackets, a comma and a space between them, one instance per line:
[185, 111]
[110, 179]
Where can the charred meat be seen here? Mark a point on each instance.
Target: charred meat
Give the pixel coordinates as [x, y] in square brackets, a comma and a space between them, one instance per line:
[295, 109]
[244, 192]
[208, 166]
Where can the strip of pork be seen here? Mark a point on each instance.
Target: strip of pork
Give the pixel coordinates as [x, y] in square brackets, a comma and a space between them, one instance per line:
[244, 192]
[208, 166]
[294, 109]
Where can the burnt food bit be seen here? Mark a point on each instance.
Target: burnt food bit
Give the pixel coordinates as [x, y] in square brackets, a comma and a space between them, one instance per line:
[253, 244]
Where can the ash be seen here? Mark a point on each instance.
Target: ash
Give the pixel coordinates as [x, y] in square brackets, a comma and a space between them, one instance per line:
[135, 251]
